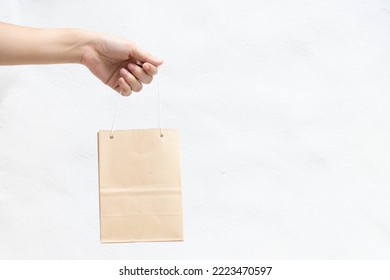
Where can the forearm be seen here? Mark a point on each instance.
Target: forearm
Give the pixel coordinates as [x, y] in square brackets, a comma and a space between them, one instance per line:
[25, 45]
[116, 61]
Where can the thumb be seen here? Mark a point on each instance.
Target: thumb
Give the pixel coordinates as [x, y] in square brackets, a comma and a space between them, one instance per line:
[143, 56]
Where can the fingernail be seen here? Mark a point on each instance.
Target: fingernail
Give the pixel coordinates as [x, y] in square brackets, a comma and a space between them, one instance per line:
[146, 66]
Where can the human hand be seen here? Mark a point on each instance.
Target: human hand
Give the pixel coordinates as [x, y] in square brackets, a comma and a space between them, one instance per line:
[119, 63]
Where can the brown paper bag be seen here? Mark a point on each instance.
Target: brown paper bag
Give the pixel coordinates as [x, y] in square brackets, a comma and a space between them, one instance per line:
[139, 186]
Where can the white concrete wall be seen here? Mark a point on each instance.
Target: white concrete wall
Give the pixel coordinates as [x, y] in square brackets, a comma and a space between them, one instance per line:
[283, 109]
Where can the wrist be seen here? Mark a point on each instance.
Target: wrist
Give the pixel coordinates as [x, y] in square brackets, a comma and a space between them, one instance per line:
[88, 42]
[81, 42]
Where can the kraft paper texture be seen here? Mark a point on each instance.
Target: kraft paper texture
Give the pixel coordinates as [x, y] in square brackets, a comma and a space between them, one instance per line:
[140, 186]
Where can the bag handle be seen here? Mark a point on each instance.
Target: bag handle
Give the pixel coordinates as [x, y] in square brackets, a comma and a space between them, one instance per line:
[158, 110]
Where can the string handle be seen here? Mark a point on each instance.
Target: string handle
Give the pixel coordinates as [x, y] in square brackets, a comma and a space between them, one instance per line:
[116, 111]
[158, 104]
[158, 110]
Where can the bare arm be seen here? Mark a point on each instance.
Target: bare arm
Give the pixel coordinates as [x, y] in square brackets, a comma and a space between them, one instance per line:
[114, 60]
[26, 45]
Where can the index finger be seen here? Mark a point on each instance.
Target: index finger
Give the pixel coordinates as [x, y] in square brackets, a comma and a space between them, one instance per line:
[149, 69]
[144, 56]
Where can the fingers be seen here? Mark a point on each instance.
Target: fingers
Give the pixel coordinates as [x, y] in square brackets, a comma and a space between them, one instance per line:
[144, 56]
[139, 73]
[134, 76]
[124, 87]
[131, 81]
[149, 69]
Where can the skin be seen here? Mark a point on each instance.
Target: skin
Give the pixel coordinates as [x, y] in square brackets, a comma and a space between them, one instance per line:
[116, 61]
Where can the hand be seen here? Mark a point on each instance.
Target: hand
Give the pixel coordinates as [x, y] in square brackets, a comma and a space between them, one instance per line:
[119, 63]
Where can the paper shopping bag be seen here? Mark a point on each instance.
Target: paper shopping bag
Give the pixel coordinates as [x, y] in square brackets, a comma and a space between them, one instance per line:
[139, 186]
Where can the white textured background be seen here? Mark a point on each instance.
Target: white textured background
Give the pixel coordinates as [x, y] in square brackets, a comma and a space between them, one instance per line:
[283, 109]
